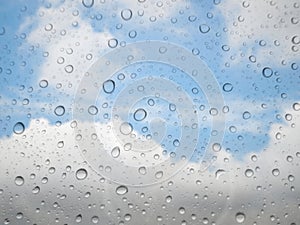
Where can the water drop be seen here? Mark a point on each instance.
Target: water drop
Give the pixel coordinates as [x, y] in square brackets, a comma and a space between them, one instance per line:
[81, 174]
[249, 173]
[69, 68]
[227, 87]
[218, 173]
[267, 72]
[275, 172]
[95, 219]
[121, 190]
[19, 181]
[142, 170]
[19, 128]
[126, 14]
[43, 83]
[139, 114]
[93, 110]
[36, 190]
[296, 106]
[159, 174]
[240, 217]
[115, 152]
[78, 218]
[108, 86]
[204, 28]
[88, 3]
[126, 128]
[216, 147]
[59, 110]
[112, 43]
[172, 107]
[246, 115]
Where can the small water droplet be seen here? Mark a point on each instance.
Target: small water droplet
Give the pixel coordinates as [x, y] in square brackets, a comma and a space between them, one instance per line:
[204, 28]
[108, 86]
[219, 173]
[140, 114]
[19, 181]
[142, 170]
[43, 83]
[227, 87]
[88, 3]
[249, 173]
[36, 190]
[216, 147]
[69, 68]
[275, 172]
[172, 107]
[19, 128]
[81, 174]
[78, 218]
[121, 190]
[93, 110]
[296, 106]
[112, 43]
[246, 115]
[159, 174]
[95, 219]
[240, 217]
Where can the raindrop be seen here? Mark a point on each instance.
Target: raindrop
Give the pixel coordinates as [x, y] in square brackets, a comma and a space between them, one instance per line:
[88, 3]
[59, 110]
[36, 190]
[48, 27]
[115, 152]
[43, 83]
[142, 170]
[139, 114]
[78, 218]
[159, 174]
[296, 40]
[132, 34]
[95, 219]
[204, 28]
[108, 86]
[296, 106]
[227, 87]
[246, 115]
[93, 110]
[126, 128]
[181, 210]
[275, 172]
[216, 147]
[126, 14]
[19, 181]
[121, 190]
[249, 173]
[19, 215]
[240, 217]
[267, 72]
[172, 107]
[112, 43]
[2, 31]
[291, 178]
[19, 128]
[69, 68]
[218, 173]
[81, 174]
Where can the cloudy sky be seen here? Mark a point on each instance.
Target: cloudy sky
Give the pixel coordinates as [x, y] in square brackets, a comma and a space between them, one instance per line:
[149, 112]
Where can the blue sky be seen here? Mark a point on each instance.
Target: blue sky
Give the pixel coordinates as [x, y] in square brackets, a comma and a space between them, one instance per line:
[23, 60]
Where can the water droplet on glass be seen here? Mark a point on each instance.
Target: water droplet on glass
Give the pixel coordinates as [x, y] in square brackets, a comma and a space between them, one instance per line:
[267, 72]
[81, 174]
[126, 128]
[88, 3]
[121, 190]
[43, 83]
[218, 173]
[112, 43]
[181, 210]
[240, 217]
[227, 87]
[78, 218]
[172, 107]
[296, 106]
[115, 152]
[246, 115]
[126, 14]
[69, 68]
[275, 172]
[19, 128]
[19, 181]
[249, 173]
[142, 170]
[108, 86]
[139, 114]
[59, 110]
[36, 190]
[2, 31]
[216, 147]
[159, 174]
[95, 219]
[204, 28]
[93, 110]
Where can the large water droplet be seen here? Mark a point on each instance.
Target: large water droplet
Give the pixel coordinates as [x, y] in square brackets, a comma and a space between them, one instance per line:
[112, 43]
[109, 86]
[249, 173]
[140, 114]
[296, 106]
[121, 190]
[19, 128]
[88, 3]
[81, 174]
[19, 181]
[240, 217]
[275, 172]
[267, 72]
[126, 14]
[59, 110]
[115, 152]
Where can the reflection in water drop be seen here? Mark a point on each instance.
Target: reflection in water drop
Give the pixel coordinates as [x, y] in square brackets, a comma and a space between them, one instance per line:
[140, 114]
[59, 110]
[109, 86]
[19, 181]
[204, 28]
[126, 14]
[115, 152]
[93, 110]
[240, 217]
[81, 174]
[121, 190]
[19, 128]
[267, 72]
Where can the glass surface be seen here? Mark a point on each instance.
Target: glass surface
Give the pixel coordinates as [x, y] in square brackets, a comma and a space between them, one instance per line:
[146, 112]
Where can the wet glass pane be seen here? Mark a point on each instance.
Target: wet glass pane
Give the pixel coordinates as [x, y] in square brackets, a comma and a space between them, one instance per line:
[146, 112]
